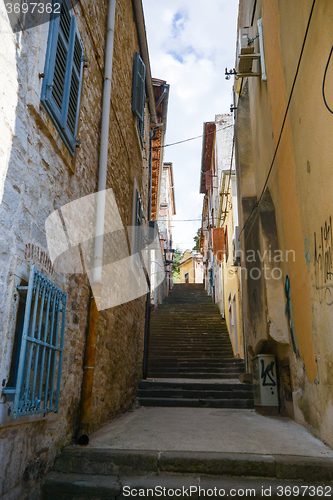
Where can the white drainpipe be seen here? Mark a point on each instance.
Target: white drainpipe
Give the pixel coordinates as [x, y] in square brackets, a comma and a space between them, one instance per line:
[90, 353]
[103, 157]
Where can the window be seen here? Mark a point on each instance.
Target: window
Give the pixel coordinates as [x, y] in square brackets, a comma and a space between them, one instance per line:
[63, 75]
[138, 97]
[219, 244]
[138, 231]
[35, 373]
[226, 244]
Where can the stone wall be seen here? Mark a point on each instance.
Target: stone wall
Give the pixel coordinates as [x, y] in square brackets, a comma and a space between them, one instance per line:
[39, 176]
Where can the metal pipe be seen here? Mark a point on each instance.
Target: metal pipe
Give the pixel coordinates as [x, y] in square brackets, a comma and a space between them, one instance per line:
[90, 353]
[148, 298]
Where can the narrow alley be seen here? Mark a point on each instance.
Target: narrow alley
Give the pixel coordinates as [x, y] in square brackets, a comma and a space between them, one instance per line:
[166, 249]
[194, 426]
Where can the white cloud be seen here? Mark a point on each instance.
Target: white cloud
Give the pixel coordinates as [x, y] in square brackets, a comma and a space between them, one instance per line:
[190, 44]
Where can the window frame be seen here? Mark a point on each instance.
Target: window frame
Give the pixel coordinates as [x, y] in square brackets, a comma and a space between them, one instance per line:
[139, 93]
[60, 116]
[40, 349]
[138, 234]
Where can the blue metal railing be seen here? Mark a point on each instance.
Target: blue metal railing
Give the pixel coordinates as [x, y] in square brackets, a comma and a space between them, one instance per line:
[39, 368]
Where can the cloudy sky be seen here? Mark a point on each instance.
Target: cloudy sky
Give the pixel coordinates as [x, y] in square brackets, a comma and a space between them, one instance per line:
[190, 44]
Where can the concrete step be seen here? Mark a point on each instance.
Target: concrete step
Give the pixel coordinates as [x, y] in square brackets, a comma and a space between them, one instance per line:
[182, 373]
[196, 335]
[197, 403]
[204, 356]
[184, 354]
[199, 331]
[184, 335]
[181, 348]
[235, 385]
[189, 341]
[77, 486]
[190, 350]
[64, 486]
[201, 369]
[108, 462]
[188, 394]
[193, 375]
[214, 363]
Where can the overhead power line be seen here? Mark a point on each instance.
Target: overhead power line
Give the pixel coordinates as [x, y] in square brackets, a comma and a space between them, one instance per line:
[192, 138]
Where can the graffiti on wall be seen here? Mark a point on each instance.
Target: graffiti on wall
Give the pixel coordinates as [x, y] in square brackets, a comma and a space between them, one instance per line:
[323, 262]
[289, 315]
[267, 374]
[307, 251]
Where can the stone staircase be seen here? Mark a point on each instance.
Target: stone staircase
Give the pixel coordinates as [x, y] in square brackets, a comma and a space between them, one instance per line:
[108, 473]
[191, 361]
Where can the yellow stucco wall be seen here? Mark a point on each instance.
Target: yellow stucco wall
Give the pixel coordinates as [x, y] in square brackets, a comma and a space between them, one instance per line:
[310, 131]
[231, 283]
[301, 187]
[299, 284]
[193, 268]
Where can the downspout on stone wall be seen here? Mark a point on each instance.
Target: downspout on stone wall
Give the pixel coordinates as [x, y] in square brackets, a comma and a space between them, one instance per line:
[148, 298]
[90, 353]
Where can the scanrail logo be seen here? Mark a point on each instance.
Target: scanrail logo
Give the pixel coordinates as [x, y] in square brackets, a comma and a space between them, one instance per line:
[88, 236]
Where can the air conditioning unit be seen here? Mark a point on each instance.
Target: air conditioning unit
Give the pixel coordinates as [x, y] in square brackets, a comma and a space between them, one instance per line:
[265, 380]
[246, 52]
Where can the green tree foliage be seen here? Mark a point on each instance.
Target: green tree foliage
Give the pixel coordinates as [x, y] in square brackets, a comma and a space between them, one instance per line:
[178, 255]
[197, 240]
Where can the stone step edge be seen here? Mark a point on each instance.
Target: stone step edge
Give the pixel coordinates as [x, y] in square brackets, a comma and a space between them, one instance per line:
[193, 385]
[187, 486]
[115, 462]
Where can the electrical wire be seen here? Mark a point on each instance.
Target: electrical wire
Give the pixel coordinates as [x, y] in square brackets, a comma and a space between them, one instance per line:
[191, 138]
[256, 206]
[183, 220]
[324, 81]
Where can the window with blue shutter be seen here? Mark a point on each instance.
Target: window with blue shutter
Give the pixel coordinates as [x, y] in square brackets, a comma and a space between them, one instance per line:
[63, 74]
[35, 374]
[138, 236]
[139, 93]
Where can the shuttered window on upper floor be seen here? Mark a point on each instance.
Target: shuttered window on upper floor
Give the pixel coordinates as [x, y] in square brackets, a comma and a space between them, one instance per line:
[139, 93]
[63, 74]
[138, 233]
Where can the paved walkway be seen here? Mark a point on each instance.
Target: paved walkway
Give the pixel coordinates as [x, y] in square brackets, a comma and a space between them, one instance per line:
[208, 430]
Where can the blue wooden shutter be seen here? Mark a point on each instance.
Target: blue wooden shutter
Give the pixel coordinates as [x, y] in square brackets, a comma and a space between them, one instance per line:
[37, 384]
[139, 93]
[74, 88]
[138, 223]
[138, 236]
[63, 74]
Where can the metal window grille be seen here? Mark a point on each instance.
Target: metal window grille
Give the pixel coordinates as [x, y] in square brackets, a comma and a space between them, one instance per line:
[40, 355]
